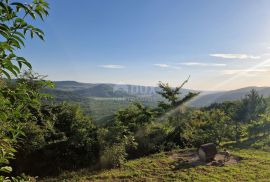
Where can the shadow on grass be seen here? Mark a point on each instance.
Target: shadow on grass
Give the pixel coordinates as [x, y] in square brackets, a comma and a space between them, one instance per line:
[177, 165]
[185, 160]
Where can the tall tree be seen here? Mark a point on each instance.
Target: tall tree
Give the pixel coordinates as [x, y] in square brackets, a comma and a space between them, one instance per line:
[249, 110]
[253, 105]
[173, 95]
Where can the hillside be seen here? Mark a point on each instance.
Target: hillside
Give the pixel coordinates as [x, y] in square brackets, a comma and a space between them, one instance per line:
[206, 99]
[102, 100]
[253, 166]
[71, 90]
[107, 89]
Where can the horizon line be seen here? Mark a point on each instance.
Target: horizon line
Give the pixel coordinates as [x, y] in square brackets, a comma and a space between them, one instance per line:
[198, 90]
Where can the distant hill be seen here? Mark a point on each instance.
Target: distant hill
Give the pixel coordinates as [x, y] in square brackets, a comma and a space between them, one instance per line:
[77, 89]
[102, 100]
[206, 99]
[106, 90]
[71, 85]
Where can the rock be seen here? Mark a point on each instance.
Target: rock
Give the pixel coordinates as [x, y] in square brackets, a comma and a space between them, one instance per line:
[207, 152]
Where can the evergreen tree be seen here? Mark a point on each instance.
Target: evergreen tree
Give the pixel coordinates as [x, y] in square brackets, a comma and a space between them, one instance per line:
[253, 105]
[173, 96]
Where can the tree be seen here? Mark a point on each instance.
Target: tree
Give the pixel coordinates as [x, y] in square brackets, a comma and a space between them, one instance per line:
[14, 27]
[262, 126]
[231, 109]
[253, 105]
[207, 126]
[250, 109]
[173, 96]
[135, 116]
[219, 125]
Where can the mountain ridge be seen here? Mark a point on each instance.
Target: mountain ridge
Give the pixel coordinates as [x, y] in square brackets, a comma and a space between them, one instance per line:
[107, 90]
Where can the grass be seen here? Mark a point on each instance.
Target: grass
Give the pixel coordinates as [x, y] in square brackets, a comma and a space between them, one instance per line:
[255, 166]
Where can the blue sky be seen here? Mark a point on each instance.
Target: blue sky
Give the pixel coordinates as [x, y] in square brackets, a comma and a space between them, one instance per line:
[223, 44]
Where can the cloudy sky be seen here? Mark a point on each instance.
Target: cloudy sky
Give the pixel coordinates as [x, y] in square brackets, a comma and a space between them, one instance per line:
[221, 44]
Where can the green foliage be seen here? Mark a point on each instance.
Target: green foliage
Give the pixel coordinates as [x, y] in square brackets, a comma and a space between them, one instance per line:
[25, 121]
[14, 27]
[113, 156]
[19, 106]
[131, 134]
[251, 107]
[80, 132]
[15, 103]
[197, 127]
[136, 115]
[260, 127]
[230, 108]
[172, 95]
[151, 139]
[66, 138]
[245, 114]
[115, 138]
[218, 126]
[6, 153]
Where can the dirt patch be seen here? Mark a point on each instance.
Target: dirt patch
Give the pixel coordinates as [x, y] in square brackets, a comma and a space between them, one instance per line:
[232, 159]
[191, 159]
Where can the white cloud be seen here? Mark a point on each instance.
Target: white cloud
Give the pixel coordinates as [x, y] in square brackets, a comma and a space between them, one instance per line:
[176, 67]
[162, 65]
[202, 64]
[112, 66]
[167, 66]
[235, 56]
[243, 71]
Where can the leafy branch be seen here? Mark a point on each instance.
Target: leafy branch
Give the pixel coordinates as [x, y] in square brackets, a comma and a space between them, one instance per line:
[14, 27]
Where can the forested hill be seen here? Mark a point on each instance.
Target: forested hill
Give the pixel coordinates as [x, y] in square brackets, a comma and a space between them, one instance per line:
[73, 90]
[106, 89]
[207, 98]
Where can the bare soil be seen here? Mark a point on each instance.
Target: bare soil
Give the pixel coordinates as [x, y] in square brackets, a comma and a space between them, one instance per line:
[192, 159]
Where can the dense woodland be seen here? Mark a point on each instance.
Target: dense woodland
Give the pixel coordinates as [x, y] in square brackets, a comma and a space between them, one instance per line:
[42, 137]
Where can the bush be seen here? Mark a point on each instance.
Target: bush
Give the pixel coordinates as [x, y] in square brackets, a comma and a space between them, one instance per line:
[259, 127]
[113, 156]
[65, 140]
[150, 139]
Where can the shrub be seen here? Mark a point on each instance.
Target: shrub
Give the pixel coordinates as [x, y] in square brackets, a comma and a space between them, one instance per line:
[113, 156]
[150, 139]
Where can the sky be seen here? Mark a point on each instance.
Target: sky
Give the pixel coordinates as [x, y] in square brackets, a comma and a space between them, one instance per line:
[221, 45]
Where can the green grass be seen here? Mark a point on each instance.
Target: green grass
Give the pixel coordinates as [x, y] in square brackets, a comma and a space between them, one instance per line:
[255, 166]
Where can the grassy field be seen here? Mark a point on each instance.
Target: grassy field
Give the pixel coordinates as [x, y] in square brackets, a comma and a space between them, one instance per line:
[254, 166]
